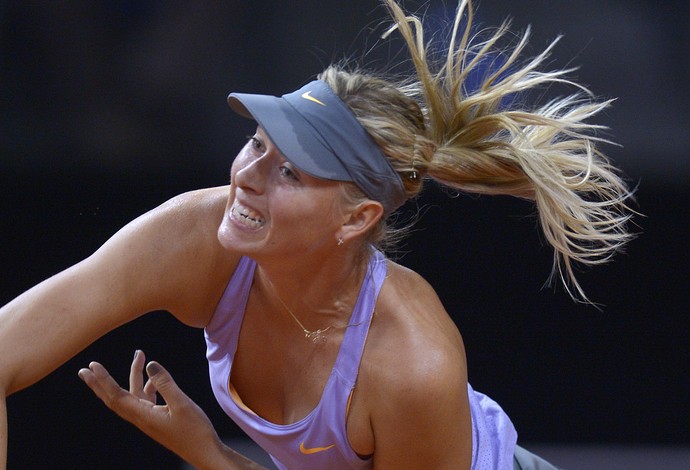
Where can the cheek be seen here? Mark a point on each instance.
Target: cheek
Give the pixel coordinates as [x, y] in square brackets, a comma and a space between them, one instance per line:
[313, 215]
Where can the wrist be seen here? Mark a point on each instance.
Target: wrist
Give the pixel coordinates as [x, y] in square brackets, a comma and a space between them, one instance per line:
[222, 457]
[210, 457]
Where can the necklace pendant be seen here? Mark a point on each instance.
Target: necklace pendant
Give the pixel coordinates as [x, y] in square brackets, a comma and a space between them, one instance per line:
[316, 336]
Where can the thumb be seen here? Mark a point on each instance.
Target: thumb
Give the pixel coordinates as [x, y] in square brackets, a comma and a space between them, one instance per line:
[164, 383]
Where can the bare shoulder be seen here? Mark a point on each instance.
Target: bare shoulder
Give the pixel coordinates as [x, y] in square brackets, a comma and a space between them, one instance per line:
[187, 223]
[167, 259]
[180, 265]
[412, 332]
[197, 208]
[413, 377]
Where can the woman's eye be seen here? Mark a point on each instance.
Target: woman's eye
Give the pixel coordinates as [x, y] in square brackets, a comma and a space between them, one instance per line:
[287, 172]
[254, 142]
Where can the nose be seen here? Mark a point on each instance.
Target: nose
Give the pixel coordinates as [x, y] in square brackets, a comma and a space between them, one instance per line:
[251, 173]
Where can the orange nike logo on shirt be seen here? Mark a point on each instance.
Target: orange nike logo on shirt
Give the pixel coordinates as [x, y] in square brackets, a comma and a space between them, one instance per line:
[307, 96]
[313, 450]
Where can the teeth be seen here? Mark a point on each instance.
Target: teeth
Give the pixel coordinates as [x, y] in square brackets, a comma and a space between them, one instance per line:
[247, 216]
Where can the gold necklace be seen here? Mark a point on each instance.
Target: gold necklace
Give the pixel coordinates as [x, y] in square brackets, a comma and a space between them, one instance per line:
[316, 336]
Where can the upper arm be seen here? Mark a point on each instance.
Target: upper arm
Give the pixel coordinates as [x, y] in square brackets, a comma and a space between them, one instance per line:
[419, 408]
[148, 265]
[425, 421]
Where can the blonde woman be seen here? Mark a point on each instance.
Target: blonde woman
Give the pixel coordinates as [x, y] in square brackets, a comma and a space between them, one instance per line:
[325, 352]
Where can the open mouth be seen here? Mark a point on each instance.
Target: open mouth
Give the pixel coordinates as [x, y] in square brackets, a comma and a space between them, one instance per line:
[246, 216]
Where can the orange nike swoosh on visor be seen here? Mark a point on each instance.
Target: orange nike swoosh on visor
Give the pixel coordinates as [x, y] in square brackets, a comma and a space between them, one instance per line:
[313, 450]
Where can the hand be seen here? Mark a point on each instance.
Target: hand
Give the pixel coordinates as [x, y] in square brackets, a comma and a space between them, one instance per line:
[179, 424]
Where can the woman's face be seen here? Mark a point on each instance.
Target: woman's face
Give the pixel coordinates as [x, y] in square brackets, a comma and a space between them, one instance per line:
[274, 208]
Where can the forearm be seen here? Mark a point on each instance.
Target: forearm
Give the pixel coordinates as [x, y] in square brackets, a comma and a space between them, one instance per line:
[226, 458]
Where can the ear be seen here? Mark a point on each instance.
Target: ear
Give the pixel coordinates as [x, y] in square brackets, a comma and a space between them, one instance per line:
[360, 220]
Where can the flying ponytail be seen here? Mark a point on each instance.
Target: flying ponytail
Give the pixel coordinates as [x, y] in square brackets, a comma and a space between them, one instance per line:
[487, 141]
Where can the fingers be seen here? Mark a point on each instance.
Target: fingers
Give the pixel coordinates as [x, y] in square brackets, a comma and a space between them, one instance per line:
[136, 371]
[125, 404]
[160, 380]
[100, 381]
[137, 404]
[136, 379]
[179, 425]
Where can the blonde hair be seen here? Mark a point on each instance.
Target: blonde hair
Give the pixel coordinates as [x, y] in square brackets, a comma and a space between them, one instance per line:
[433, 125]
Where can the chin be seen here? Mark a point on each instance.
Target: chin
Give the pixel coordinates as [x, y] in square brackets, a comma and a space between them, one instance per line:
[240, 239]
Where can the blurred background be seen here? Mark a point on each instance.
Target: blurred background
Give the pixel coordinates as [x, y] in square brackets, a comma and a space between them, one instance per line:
[109, 108]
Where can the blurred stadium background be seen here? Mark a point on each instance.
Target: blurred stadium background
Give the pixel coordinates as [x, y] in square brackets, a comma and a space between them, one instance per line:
[111, 107]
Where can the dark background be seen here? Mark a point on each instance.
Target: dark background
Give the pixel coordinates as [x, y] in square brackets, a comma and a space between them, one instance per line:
[111, 107]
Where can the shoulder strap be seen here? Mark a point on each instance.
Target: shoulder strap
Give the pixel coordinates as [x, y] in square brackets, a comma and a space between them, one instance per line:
[229, 313]
[350, 354]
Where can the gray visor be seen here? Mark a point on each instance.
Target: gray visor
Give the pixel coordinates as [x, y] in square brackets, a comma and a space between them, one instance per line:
[319, 134]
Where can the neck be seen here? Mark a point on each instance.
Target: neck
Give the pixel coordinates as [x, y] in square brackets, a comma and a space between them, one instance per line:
[316, 290]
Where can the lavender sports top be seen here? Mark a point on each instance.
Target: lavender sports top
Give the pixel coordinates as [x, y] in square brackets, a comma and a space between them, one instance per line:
[319, 440]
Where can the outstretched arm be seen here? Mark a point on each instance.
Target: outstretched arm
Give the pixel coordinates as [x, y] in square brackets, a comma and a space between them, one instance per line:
[168, 259]
[179, 424]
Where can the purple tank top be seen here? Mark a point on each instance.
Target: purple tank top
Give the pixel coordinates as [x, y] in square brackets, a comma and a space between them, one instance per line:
[319, 440]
